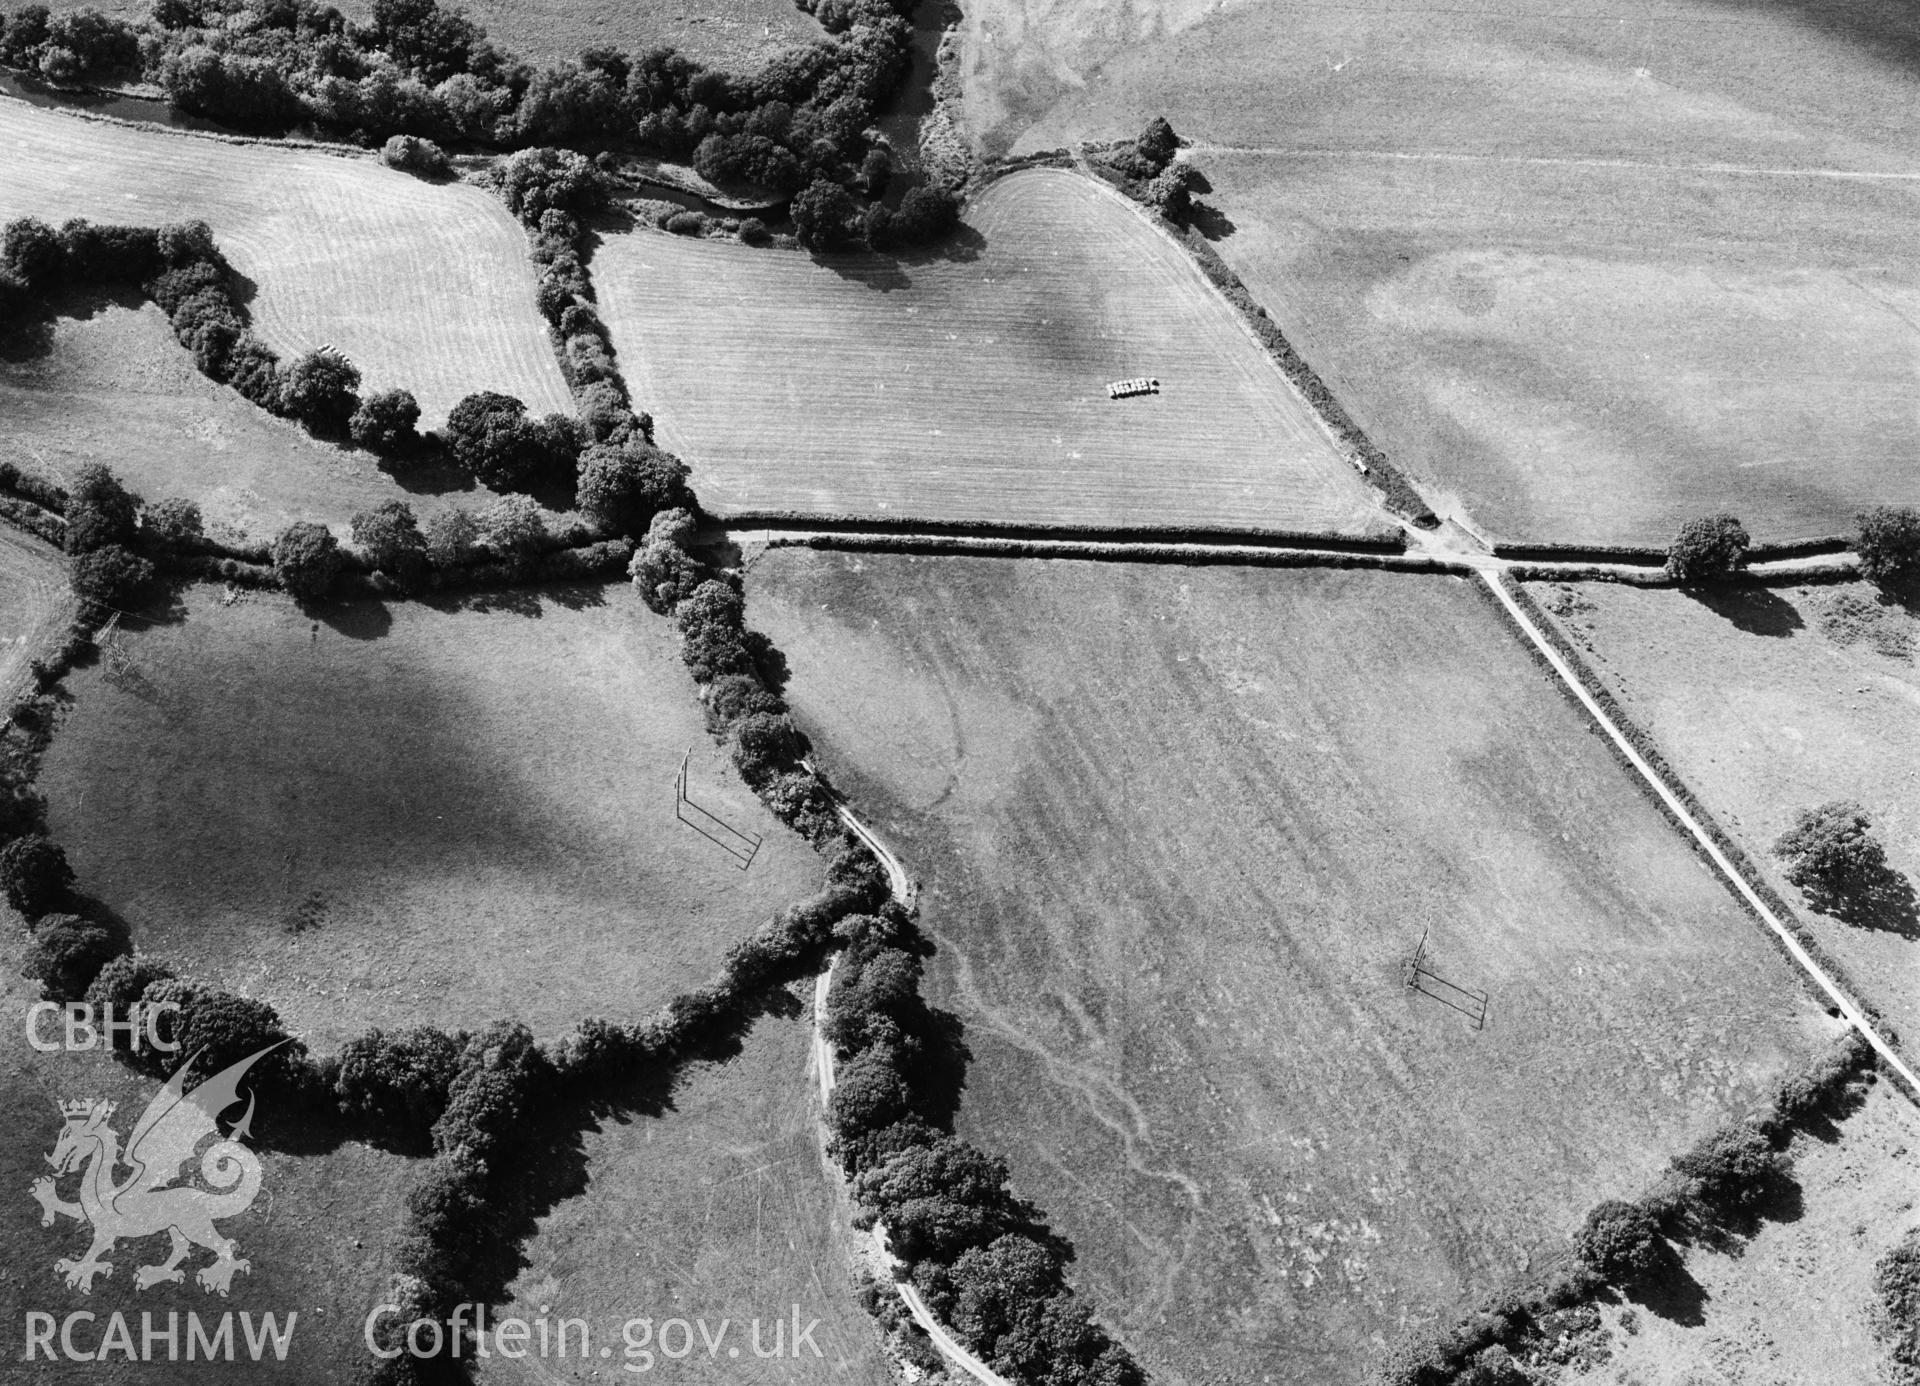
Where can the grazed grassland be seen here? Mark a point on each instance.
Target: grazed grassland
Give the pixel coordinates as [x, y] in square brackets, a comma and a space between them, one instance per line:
[1795, 1301]
[105, 381]
[413, 816]
[1773, 700]
[973, 387]
[35, 605]
[1178, 831]
[319, 1234]
[1583, 270]
[423, 286]
[717, 1210]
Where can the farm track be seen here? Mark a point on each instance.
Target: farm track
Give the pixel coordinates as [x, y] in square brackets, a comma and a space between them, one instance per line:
[901, 885]
[425, 286]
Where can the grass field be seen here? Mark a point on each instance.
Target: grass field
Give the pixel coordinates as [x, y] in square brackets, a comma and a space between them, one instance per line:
[1793, 1303]
[1764, 712]
[319, 1234]
[735, 35]
[35, 605]
[973, 387]
[107, 382]
[409, 816]
[1178, 830]
[720, 1209]
[423, 286]
[1584, 270]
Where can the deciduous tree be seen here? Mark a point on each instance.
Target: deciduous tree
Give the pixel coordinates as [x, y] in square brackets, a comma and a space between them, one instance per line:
[321, 391]
[1832, 854]
[100, 511]
[390, 537]
[1620, 1241]
[1889, 544]
[35, 875]
[1707, 550]
[306, 559]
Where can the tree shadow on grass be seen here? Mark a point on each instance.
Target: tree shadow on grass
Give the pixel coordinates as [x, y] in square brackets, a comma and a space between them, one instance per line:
[1749, 607]
[530, 601]
[885, 271]
[1210, 221]
[961, 246]
[430, 471]
[1890, 32]
[245, 290]
[875, 270]
[359, 620]
[1668, 1291]
[30, 336]
[1885, 904]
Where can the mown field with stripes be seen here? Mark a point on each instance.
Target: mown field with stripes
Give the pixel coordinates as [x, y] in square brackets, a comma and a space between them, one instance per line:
[973, 385]
[425, 287]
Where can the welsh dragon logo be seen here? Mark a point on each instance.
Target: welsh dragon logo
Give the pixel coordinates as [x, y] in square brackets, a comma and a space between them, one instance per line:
[165, 1138]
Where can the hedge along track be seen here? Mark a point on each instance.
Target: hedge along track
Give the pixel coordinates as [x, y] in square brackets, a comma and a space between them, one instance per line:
[1497, 582]
[903, 889]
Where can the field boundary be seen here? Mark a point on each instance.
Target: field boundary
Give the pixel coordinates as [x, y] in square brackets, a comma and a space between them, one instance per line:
[800, 522]
[1687, 813]
[901, 886]
[1193, 555]
[1651, 556]
[1352, 441]
[339, 151]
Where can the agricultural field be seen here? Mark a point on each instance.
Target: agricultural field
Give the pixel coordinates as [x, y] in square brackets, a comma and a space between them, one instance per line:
[319, 1234]
[733, 35]
[1793, 1303]
[1582, 271]
[35, 605]
[423, 286]
[717, 1208]
[1179, 830]
[974, 386]
[406, 816]
[104, 381]
[1771, 700]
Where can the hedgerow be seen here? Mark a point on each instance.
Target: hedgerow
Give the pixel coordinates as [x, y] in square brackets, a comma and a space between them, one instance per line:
[181, 269]
[1648, 749]
[1621, 1243]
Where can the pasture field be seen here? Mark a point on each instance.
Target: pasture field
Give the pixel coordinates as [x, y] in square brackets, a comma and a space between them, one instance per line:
[1178, 831]
[1770, 700]
[973, 387]
[423, 286]
[1792, 1303]
[35, 604]
[103, 381]
[1584, 271]
[414, 816]
[735, 35]
[319, 1234]
[717, 1211]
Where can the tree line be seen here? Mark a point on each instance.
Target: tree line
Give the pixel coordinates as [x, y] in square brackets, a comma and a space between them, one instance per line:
[801, 121]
